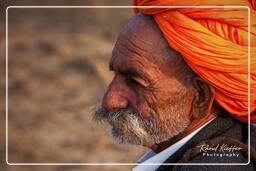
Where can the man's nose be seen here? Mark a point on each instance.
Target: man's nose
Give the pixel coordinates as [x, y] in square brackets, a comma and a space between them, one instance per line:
[114, 97]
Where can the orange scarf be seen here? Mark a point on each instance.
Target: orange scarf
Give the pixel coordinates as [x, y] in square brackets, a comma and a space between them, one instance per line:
[214, 43]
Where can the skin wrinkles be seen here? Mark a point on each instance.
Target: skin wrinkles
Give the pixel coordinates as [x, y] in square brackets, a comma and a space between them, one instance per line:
[130, 44]
[134, 42]
[138, 64]
[154, 98]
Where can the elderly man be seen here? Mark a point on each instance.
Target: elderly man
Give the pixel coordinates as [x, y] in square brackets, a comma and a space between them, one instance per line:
[158, 100]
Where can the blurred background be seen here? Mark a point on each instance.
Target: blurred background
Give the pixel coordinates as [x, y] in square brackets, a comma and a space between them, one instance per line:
[58, 69]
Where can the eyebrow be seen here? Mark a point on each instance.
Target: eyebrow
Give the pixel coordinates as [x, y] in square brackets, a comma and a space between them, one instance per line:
[131, 72]
[128, 71]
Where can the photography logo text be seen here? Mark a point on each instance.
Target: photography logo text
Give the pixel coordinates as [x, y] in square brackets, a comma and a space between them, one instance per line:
[219, 150]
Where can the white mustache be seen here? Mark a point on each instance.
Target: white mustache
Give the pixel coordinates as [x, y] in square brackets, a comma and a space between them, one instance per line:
[123, 120]
[100, 114]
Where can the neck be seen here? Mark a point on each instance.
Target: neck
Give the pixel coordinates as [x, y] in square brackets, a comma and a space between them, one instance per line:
[195, 124]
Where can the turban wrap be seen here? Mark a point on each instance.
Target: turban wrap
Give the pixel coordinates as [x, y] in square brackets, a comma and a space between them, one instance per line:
[214, 43]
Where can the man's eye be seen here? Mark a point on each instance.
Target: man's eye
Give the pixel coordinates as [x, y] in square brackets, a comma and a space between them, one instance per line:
[132, 80]
[137, 81]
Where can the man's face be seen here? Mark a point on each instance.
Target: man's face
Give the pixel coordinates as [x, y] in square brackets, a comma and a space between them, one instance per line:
[147, 101]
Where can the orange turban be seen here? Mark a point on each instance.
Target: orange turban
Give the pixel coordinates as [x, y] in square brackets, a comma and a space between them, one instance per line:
[214, 43]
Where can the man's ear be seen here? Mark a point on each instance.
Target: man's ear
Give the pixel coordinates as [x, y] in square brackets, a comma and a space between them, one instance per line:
[204, 97]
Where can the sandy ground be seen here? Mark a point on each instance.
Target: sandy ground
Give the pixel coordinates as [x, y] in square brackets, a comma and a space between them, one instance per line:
[58, 69]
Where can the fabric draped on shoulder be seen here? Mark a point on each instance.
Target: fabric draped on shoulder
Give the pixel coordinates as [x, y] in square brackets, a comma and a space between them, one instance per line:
[214, 43]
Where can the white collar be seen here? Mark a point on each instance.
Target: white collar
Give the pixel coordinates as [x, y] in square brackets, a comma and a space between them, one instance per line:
[152, 157]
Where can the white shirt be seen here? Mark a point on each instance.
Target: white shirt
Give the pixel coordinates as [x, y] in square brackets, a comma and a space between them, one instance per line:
[151, 157]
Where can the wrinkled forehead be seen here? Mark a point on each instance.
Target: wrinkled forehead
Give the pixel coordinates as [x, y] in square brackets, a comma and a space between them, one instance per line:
[140, 41]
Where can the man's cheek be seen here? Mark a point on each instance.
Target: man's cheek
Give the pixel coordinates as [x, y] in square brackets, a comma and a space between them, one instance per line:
[146, 105]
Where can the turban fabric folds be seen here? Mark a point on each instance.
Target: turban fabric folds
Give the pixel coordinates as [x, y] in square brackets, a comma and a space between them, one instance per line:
[214, 43]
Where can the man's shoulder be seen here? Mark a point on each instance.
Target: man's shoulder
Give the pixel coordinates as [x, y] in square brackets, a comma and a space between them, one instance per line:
[225, 141]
